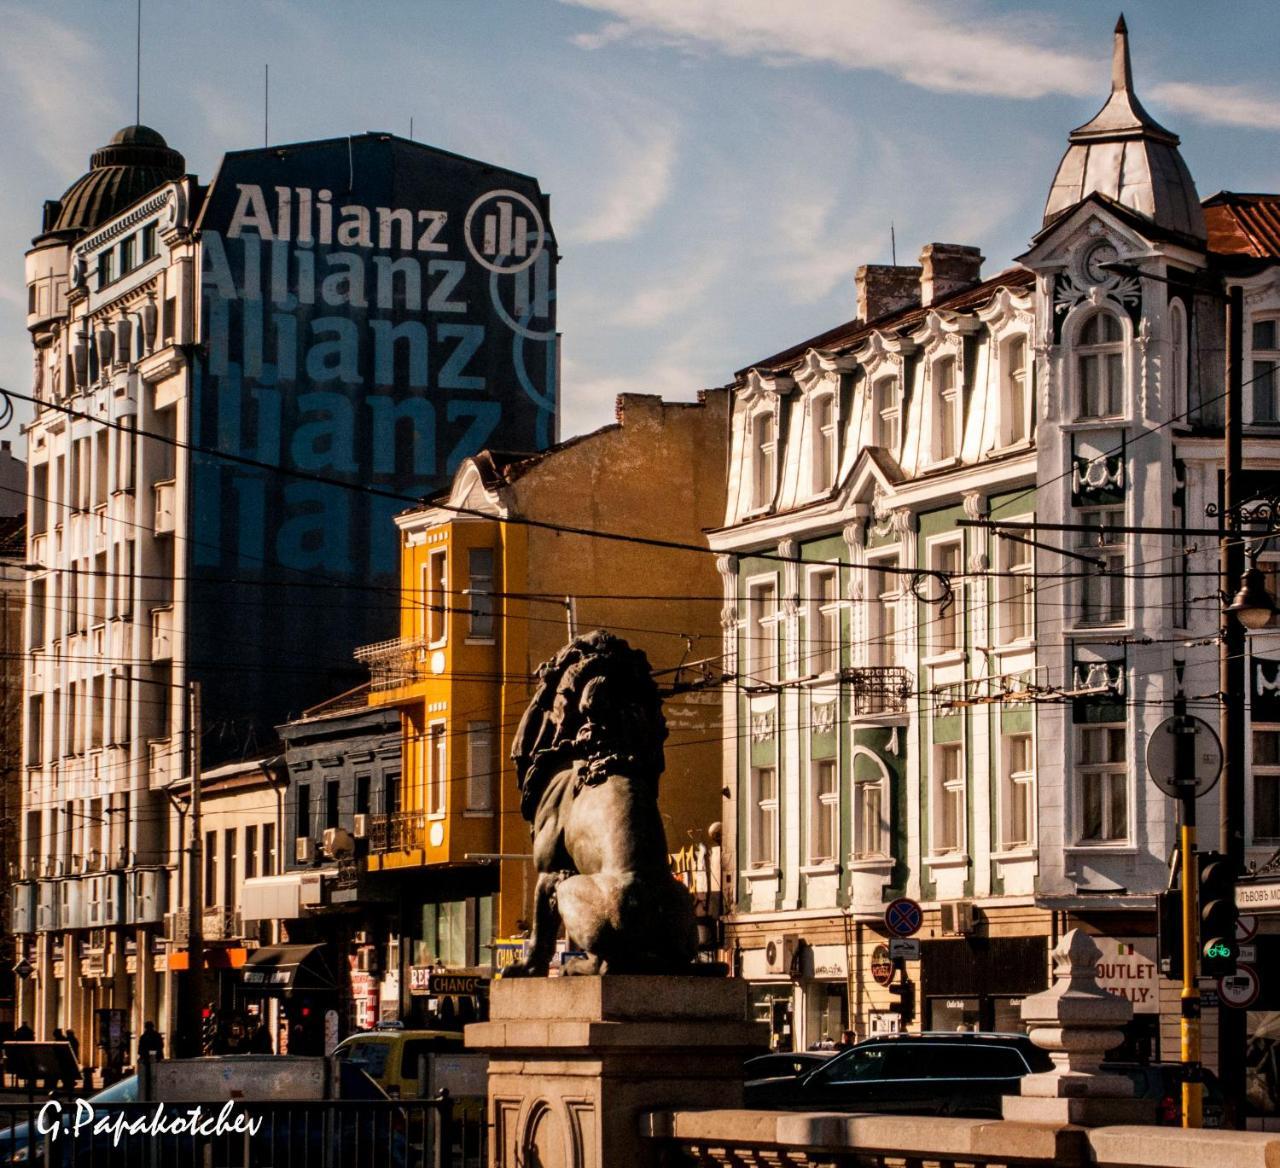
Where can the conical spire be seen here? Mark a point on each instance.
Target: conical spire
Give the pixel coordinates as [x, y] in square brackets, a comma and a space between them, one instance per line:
[1125, 154]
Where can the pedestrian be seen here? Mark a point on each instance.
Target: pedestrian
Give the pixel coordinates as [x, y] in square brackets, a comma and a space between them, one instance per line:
[260, 1041]
[151, 1044]
[24, 1033]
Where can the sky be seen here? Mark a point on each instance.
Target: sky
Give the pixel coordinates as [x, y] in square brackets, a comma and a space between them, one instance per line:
[717, 169]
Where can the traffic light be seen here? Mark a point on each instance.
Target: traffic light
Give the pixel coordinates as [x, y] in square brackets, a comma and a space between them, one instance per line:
[1169, 926]
[1218, 946]
[905, 1005]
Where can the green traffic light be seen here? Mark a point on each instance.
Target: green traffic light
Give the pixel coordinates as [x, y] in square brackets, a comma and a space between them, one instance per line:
[1219, 949]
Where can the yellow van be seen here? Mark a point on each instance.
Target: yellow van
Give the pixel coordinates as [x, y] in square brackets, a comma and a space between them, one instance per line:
[391, 1058]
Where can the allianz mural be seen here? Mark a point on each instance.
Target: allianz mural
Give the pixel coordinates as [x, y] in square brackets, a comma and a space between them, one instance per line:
[373, 312]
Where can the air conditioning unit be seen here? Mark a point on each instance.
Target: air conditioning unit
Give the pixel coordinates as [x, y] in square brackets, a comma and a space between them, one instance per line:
[304, 850]
[779, 949]
[338, 843]
[957, 918]
[360, 827]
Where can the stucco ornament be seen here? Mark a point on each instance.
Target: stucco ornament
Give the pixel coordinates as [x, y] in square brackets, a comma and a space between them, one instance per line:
[588, 754]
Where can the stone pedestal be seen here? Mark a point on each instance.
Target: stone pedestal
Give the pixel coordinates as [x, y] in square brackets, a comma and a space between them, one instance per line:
[574, 1061]
[1077, 1022]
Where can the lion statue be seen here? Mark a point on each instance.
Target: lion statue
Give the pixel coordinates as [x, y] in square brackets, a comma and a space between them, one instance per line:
[588, 753]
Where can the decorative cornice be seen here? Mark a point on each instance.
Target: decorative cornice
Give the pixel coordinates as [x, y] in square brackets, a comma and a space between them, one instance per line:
[126, 222]
[759, 385]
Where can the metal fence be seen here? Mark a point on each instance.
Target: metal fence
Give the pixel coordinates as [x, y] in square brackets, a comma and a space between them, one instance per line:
[410, 1133]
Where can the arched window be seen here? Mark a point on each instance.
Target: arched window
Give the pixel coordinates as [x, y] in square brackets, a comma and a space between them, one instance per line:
[823, 441]
[1015, 414]
[1100, 366]
[1178, 358]
[763, 448]
[946, 410]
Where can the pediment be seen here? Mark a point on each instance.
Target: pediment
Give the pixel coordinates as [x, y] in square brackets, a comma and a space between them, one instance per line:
[470, 491]
[875, 475]
[1093, 220]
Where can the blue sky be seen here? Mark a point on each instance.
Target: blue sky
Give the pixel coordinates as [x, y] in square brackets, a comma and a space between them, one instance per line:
[717, 168]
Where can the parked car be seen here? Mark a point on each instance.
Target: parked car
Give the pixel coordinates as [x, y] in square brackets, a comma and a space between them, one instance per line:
[780, 1063]
[1163, 1083]
[964, 1073]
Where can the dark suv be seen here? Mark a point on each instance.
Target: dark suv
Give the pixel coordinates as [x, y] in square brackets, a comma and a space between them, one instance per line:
[945, 1073]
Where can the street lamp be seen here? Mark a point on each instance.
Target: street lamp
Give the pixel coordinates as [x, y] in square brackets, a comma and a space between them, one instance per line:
[1253, 605]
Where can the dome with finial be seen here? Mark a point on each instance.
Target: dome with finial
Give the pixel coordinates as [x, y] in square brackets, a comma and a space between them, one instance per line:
[134, 163]
[1125, 154]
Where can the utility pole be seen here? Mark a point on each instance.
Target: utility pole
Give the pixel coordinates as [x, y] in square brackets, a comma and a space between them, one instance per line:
[193, 1028]
[1233, 676]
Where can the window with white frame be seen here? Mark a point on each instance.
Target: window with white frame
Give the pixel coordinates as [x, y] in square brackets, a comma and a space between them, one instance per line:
[764, 817]
[823, 442]
[1264, 385]
[824, 806]
[1100, 366]
[480, 592]
[1015, 413]
[763, 459]
[762, 629]
[946, 625]
[824, 621]
[480, 766]
[435, 600]
[1101, 586]
[948, 798]
[946, 410]
[1018, 773]
[887, 413]
[437, 772]
[1178, 357]
[883, 592]
[1102, 784]
[1266, 784]
[870, 828]
[1015, 617]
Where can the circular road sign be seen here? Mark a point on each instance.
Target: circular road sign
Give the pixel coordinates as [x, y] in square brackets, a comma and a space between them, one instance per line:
[1246, 926]
[881, 965]
[1241, 988]
[903, 917]
[1202, 761]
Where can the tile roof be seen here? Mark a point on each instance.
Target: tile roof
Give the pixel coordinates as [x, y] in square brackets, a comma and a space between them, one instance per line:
[851, 333]
[1246, 225]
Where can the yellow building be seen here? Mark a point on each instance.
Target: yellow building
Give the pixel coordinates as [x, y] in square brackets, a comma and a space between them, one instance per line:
[493, 580]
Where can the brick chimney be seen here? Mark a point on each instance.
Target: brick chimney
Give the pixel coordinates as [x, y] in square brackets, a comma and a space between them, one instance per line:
[947, 268]
[884, 288]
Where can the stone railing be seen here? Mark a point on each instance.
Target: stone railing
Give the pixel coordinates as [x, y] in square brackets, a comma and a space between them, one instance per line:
[769, 1139]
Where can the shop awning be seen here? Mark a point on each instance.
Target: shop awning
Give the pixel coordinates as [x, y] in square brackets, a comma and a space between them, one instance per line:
[279, 968]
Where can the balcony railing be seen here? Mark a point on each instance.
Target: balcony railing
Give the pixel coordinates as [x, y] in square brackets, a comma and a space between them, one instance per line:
[392, 663]
[218, 924]
[878, 689]
[400, 832]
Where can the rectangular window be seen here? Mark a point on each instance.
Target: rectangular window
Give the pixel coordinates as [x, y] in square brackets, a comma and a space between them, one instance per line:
[946, 410]
[869, 822]
[1019, 790]
[1101, 776]
[437, 775]
[434, 598]
[1016, 589]
[210, 868]
[763, 449]
[762, 630]
[1264, 384]
[1101, 587]
[882, 611]
[764, 817]
[363, 800]
[887, 414]
[480, 592]
[269, 865]
[946, 625]
[1266, 784]
[250, 851]
[128, 254]
[480, 766]
[948, 786]
[824, 621]
[1100, 367]
[229, 869]
[825, 809]
[1017, 404]
[824, 442]
[147, 243]
[332, 798]
[106, 267]
[391, 794]
[303, 811]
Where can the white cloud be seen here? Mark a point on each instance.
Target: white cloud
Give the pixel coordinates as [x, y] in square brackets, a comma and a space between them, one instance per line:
[1222, 105]
[641, 153]
[656, 301]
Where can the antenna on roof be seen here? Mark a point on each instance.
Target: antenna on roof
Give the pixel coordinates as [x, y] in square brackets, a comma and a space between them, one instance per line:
[411, 129]
[266, 105]
[137, 78]
[893, 246]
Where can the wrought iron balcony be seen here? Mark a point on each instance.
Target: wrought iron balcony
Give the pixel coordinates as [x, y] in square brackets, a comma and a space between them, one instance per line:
[878, 689]
[400, 832]
[392, 663]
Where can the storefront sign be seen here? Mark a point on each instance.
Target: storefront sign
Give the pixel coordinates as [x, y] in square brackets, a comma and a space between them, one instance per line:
[420, 979]
[881, 965]
[456, 983]
[1127, 968]
[508, 951]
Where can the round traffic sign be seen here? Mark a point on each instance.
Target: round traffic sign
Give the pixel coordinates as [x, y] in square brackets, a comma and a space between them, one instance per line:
[1241, 988]
[903, 917]
[1246, 926]
[881, 965]
[1184, 757]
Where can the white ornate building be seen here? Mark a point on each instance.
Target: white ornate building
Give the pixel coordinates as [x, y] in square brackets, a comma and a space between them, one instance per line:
[936, 707]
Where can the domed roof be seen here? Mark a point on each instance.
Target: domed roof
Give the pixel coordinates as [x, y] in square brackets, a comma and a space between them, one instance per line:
[135, 162]
[1126, 154]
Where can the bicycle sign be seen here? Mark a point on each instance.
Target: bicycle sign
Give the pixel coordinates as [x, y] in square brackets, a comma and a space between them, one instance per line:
[903, 917]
